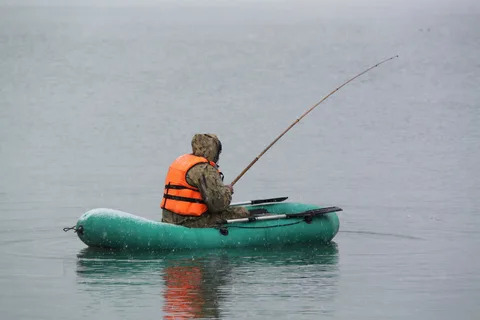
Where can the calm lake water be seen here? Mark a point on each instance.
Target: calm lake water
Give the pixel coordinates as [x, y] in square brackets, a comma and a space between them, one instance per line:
[97, 100]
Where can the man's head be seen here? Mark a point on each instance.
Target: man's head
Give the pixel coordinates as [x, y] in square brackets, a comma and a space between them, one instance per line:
[206, 145]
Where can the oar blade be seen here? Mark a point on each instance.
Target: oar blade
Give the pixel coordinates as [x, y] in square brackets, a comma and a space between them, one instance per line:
[314, 212]
[259, 201]
[271, 200]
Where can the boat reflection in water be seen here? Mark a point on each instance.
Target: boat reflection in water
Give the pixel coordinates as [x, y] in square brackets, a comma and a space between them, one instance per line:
[215, 283]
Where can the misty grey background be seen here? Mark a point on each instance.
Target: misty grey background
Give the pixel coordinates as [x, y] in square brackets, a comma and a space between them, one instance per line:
[97, 99]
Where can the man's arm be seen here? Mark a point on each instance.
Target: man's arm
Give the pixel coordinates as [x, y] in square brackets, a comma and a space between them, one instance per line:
[216, 195]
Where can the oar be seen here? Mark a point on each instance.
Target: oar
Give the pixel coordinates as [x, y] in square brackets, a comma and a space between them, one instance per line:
[308, 213]
[303, 115]
[270, 200]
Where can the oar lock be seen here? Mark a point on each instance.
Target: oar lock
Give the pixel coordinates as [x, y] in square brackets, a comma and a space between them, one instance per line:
[308, 218]
[223, 230]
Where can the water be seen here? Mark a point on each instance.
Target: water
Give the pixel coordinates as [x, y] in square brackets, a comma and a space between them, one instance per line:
[96, 100]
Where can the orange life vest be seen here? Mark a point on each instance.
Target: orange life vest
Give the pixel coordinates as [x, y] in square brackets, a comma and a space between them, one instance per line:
[179, 196]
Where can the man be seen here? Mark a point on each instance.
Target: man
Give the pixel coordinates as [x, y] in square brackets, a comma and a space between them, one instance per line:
[194, 194]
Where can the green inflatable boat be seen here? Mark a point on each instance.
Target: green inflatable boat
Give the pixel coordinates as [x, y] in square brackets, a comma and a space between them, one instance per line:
[278, 224]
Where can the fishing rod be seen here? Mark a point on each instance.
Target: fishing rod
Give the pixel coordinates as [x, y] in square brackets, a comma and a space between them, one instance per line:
[303, 115]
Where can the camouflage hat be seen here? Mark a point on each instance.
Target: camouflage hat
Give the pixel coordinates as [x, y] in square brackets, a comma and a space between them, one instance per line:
[206, 145]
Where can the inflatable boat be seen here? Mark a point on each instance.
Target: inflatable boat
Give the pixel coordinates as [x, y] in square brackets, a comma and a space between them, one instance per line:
[278, 224]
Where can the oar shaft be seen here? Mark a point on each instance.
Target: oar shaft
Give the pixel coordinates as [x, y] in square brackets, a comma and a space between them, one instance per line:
[303, 115]
[270, 217]
[244, 203]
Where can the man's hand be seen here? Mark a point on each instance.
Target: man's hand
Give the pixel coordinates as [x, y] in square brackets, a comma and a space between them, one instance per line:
[230, 188]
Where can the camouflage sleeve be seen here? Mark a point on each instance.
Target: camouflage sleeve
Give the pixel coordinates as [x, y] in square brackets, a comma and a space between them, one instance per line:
[215, 194]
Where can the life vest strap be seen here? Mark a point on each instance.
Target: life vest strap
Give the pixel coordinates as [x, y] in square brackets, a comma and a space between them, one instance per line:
[168, 196]
[177, 187]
